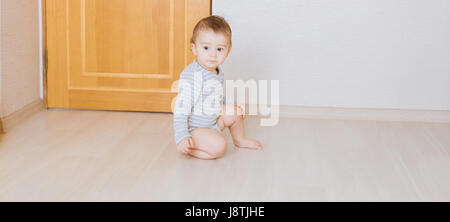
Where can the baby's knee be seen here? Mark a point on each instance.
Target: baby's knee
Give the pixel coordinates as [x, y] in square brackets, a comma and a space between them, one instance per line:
[219, 148]
[231, 109]
[230, 118]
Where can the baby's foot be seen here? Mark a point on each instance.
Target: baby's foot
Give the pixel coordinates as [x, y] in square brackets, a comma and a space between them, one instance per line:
[248, 143]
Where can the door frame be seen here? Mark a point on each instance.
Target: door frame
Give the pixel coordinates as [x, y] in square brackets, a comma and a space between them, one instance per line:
[44, 51]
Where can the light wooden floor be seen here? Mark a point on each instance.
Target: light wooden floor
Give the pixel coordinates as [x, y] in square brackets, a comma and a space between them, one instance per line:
[80, 155]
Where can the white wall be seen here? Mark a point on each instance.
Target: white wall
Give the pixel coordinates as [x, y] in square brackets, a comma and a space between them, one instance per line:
[1, 68]
[346, 53]
[20, 54]
[41, 83]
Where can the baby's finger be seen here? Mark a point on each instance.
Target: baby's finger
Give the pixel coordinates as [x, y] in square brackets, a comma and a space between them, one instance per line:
[188, 143]
[243, 114]
[191, 143]
[242, 109]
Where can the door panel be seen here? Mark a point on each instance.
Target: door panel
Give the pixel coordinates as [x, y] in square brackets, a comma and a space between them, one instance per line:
[118, 54]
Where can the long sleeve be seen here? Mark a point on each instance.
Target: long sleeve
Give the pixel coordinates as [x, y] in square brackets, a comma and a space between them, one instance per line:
[227, 101]
[183, 106]
[180, 125]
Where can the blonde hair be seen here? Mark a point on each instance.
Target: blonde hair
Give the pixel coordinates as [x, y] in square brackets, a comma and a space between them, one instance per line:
[215, 23]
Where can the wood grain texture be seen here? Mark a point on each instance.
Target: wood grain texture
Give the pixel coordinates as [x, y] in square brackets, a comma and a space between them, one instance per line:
[83, 155]
[132, 49]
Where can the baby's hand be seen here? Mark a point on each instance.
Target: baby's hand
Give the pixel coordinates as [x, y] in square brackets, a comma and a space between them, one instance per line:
[185, 145]
[241, 110]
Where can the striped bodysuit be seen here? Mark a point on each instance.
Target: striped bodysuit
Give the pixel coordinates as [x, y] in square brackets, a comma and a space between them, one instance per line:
[199, 101]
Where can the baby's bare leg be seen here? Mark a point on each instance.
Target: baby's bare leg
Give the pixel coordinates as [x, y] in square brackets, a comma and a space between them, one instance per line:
[208, 144]
[234, 121]
[201, 154]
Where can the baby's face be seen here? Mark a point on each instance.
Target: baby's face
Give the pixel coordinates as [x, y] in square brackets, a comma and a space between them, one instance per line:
[211, 49]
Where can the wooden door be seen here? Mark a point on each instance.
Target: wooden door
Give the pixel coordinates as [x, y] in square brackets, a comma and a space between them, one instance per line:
[118, 54]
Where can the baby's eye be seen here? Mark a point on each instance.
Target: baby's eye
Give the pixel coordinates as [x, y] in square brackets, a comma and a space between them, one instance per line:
[205, 47]
[219, 49]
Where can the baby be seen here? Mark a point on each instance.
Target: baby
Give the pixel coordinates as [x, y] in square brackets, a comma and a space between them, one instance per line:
[201, 112]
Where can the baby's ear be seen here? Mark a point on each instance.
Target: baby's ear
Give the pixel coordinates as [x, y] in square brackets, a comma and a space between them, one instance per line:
[194, 49]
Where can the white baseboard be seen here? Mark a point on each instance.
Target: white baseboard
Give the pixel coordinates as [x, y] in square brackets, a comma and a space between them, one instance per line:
[13, 119]
[435, 116]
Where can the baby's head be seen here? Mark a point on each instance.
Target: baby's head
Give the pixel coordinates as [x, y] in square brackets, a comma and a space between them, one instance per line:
[211, 42]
